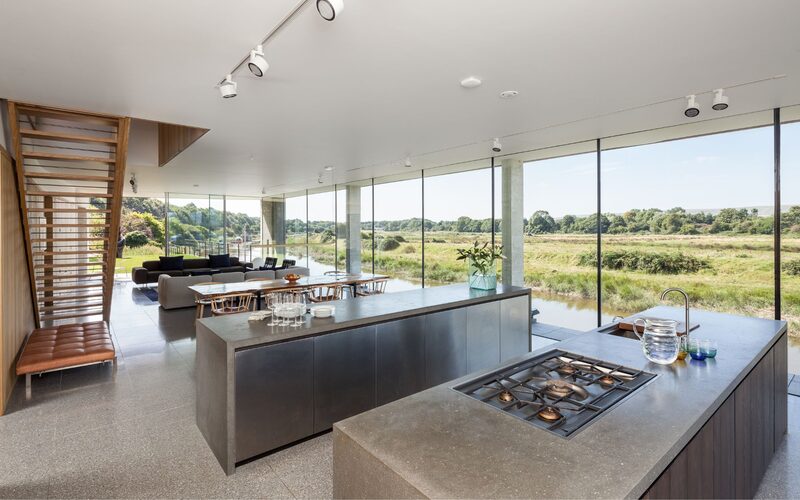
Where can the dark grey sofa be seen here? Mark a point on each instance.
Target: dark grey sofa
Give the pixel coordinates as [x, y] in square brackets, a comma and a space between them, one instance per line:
[151, 269]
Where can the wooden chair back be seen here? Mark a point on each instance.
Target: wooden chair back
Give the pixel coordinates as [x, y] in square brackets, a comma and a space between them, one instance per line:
[325, 293]
[233, 303]
[374, 287]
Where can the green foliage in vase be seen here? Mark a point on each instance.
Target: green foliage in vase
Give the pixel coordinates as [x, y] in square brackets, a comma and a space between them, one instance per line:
[481, 257]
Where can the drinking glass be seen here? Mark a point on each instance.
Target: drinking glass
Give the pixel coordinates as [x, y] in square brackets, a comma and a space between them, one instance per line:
[708, 348]
[694, 350]
[274, 301]
[287, 309]
[301, 309]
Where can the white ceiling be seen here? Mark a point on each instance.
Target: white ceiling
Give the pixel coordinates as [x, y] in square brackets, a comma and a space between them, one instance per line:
[381, 82]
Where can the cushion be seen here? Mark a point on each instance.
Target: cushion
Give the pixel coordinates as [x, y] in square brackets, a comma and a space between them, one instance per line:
[270, 263]
[191, 263]
[223, 260]
[287, 263]
[171, 263]
[65, 346]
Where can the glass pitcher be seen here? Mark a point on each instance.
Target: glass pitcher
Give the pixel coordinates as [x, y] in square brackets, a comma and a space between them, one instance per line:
[660, 341]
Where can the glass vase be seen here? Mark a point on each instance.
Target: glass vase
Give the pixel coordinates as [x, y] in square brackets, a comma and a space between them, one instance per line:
[480, 281]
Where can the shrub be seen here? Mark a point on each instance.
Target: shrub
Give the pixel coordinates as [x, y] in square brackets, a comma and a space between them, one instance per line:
[136, 239]
[792, 267]
[409, 249]
[650, 263]
[399, 238]
[389, 244]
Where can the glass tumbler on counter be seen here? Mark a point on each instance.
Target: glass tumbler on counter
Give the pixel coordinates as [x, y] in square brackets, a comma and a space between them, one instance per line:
[708, 348]
[660, 340]
[695, 351]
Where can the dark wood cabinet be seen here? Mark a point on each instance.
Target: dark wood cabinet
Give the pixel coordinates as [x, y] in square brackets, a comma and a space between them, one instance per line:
[730, 454]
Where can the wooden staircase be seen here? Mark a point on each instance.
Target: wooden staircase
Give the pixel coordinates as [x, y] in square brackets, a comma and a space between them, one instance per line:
[70, 171]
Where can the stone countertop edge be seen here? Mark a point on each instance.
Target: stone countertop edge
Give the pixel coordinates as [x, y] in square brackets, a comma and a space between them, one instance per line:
[619, 437]
[238, 332]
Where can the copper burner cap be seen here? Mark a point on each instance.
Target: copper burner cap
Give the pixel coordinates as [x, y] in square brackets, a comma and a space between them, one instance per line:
[607, 380]
[566, 369]
[549, 414]
[506, 397]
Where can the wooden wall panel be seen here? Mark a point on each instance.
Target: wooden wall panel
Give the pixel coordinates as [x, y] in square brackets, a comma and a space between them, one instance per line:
[173, 139]
[16, 309]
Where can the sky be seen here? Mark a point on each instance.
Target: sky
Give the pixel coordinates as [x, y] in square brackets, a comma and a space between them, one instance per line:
[724, 170]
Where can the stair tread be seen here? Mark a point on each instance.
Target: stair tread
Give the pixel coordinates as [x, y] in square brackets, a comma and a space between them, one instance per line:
[71, 307]
[60, 156]
[69, 177]
[64, 298]
[64, 137]
[68, 194]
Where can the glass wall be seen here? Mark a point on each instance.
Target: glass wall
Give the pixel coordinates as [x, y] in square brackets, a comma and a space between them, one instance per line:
[560, 242]
[458, 212]
[142, 231]
[398, 231]
[296, 218]
[322, 230]
[195, 224]
[243, 227]
[354, 227]
[693, 213]
[790, 234]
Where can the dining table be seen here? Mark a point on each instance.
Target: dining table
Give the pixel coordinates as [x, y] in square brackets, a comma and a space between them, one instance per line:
[266, 286]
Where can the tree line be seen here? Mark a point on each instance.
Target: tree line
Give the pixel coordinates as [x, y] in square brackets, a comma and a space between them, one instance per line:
[649, 221]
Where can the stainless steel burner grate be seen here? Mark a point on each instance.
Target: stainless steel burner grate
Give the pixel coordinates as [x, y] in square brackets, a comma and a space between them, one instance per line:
[557, 391]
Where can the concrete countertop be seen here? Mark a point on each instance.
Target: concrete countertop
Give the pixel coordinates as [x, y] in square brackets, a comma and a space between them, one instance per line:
[237, 332]
[446, 444]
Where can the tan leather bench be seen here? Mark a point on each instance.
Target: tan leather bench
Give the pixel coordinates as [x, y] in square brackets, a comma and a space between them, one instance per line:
[65, 346]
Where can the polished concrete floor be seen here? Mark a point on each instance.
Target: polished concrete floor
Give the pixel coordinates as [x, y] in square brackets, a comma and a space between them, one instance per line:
[94, 432]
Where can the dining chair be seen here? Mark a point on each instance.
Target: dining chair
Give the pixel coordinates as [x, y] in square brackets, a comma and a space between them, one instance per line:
[374, 287]
[233, 303]
[325, 293]
[200, 301]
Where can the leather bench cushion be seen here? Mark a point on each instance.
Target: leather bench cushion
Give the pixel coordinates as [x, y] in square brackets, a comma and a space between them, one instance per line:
[65, 346]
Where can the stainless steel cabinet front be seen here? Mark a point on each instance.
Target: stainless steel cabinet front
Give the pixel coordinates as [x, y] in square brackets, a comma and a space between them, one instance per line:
[274, 396]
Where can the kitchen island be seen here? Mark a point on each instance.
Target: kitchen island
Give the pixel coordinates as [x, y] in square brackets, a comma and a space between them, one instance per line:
[261, 387]
[696, 429]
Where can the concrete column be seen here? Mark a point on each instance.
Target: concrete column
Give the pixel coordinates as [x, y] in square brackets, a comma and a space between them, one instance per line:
[353, 221]
[273, 222]
[512, 222]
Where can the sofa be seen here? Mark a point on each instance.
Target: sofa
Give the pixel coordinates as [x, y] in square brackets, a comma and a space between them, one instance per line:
[151, 269]
[174, 293]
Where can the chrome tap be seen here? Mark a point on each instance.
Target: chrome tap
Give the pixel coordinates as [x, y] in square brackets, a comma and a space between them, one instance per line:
[685, 301]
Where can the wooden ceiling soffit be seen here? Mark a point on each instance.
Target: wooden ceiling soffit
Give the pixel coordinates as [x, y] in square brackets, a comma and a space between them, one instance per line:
[174, 139]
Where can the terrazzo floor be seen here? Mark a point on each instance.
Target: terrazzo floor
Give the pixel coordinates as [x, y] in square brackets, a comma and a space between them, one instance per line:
[96, 432]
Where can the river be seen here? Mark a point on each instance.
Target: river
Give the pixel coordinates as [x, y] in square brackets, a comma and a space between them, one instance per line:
[567, 312]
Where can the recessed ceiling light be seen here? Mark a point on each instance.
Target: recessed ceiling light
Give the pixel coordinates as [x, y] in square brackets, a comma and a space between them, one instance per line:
[408, 161]
[508, 94]
[329, 9]
[471, 82]
[328, 168]
[196, 185]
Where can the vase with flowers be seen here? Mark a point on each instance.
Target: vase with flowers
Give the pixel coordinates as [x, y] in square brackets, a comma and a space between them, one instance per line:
[481, 264]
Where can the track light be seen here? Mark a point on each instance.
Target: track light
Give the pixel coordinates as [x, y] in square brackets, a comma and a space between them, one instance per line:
[692, 108]
[257, 64]
[720, 100]
[329, 9]
[227, 88]
[496, 146]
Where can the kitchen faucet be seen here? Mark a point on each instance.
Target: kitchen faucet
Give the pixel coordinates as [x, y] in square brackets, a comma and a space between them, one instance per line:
[685, 302]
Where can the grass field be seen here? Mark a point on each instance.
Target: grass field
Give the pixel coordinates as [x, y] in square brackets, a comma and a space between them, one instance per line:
[739, 279]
